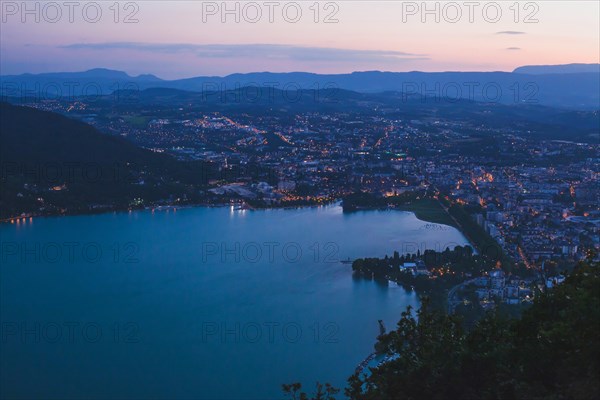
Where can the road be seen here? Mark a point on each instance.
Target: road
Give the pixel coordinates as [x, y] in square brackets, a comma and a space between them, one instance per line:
[452, 303]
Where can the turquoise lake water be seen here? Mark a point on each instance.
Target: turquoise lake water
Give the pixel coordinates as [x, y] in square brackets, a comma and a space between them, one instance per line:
[199, 303]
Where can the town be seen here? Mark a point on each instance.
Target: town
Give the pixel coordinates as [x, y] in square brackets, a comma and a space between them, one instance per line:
[535, 196]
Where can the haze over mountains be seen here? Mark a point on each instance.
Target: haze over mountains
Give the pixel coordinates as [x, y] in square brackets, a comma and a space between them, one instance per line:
[572, 86]
[558, 69]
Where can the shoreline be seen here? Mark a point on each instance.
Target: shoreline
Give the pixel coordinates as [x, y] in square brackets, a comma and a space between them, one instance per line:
[420, 213]
[160, 208]
[426, 210]
[242, 205]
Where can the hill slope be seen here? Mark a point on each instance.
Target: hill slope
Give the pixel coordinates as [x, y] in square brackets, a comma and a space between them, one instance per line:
[30, 135]
[52, 164]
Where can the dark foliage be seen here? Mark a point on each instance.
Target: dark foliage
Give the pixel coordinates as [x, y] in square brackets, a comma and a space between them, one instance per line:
[552, 352]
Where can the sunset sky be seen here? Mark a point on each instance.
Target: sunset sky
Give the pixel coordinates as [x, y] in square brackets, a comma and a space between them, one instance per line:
[189, 38]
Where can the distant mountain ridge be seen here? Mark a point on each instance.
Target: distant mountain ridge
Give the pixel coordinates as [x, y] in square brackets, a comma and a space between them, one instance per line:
[564, 86]
[92, 73]
[558, 69]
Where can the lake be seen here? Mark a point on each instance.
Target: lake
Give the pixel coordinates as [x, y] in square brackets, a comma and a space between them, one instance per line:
[213, 303]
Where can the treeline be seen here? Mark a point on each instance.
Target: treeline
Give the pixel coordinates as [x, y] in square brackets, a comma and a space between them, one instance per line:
[487, 246]
[452, 268]
[462, 259]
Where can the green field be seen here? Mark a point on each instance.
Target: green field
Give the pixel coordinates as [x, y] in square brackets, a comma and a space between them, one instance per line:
[429, 210]
[136, 121]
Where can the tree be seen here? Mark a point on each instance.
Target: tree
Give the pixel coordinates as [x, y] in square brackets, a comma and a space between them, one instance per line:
[322, 392]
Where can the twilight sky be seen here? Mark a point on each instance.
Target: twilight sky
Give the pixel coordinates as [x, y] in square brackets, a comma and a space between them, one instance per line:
[178, 39]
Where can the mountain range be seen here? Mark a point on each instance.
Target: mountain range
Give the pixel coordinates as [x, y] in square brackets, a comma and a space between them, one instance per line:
[572, 86]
